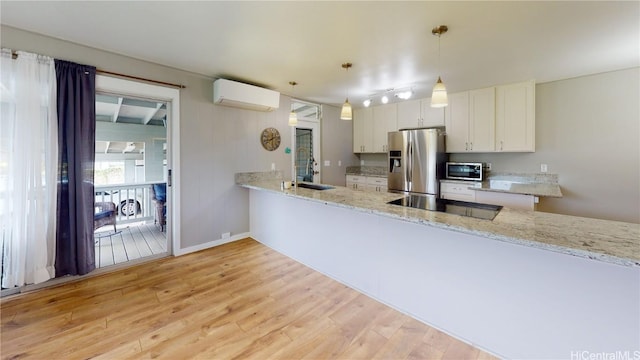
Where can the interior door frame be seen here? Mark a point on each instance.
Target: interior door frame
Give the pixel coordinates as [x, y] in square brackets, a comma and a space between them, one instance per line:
[107, 84]
[314, 126]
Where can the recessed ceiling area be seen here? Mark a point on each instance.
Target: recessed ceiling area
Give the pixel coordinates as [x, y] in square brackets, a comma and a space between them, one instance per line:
[390, 43]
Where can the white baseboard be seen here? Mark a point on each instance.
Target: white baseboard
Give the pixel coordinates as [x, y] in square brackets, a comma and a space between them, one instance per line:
[210, 244]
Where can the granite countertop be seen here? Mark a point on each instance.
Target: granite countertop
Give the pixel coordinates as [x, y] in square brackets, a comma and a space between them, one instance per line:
[603, 240]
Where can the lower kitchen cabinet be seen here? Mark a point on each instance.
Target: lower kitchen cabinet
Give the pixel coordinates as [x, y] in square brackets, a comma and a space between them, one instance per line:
[457, 191]
[463, 191]
[377, 184]
[367, 183]
[357, 182]
[513, 201]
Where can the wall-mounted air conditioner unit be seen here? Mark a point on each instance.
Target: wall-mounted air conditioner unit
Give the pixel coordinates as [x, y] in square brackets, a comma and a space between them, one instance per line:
[232, 93]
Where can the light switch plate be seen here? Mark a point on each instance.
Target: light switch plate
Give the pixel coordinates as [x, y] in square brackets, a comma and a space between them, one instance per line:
[543, 168]
[327, 163]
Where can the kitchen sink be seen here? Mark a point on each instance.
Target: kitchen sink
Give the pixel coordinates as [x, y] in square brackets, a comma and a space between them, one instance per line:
[315, 186]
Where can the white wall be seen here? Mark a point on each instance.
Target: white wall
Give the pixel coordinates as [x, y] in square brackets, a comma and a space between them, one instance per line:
[216, 141]
[337, 145]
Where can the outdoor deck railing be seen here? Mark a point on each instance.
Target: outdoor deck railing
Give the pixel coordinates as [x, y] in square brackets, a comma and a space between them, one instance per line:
[133, 201]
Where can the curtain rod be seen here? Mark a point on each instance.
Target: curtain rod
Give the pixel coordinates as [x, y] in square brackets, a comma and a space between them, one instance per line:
[14, 55]
[179, 86]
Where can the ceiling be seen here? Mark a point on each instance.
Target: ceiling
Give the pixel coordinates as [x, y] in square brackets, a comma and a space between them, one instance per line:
[389, 42]
[124, 110]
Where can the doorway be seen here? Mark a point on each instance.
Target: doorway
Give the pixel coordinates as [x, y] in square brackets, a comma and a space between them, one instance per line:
[130, 178]
[306, 142]
[138, 131]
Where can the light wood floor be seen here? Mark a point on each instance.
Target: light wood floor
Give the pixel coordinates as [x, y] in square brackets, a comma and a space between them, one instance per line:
[241, 300]
[131, 242]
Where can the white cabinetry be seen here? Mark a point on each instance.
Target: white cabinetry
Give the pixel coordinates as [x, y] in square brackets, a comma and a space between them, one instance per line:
[482, 120]
[377, 184]
[494, 119]
[464, 191]
[457, 191]
[370, 128]
[367, 183]
[457, 122]
[357, 182]
[419, 113]
[362, 130]
[384, 120]
[513, 201]
[470, 121]
[515, 117]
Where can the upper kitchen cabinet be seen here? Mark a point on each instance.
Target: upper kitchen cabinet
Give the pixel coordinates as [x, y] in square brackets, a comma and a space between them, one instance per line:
[370, 128]
[384, 120]
[362, 130]
[470, 121]
[419, 113]
[515, 117]
[457, 122]
[482, 120]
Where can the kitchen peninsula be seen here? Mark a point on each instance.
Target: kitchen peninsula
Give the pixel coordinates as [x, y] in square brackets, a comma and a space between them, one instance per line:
[525, 285]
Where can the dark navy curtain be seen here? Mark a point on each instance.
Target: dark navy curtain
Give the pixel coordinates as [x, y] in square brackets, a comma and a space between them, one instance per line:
[76, 84]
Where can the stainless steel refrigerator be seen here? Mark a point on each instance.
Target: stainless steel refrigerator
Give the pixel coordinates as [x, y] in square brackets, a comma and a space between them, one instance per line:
[416, 161]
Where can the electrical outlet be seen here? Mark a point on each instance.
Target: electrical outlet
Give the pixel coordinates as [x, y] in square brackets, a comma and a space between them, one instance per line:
[339, 162]
[273, 166]
[543, 168]
[361, 162]
[225, 235]
[488, 166]
[327, 163]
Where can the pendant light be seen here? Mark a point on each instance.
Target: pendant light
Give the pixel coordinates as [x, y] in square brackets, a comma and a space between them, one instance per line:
[346, 113]
[439, 95]
[293, 118]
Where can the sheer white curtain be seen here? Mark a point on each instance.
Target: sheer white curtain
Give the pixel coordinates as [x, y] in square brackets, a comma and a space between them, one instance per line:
[28, 167]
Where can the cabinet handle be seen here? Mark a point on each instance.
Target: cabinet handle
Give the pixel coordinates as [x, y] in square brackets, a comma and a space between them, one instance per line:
[500, 145]
[470, 146]
[466, 146]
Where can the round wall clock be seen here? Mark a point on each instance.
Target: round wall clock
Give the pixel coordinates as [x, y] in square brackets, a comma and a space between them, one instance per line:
[270, 138]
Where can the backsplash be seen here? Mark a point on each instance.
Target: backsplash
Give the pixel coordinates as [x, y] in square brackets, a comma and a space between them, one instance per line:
[367, 170]
[247, 177]
[538, 178]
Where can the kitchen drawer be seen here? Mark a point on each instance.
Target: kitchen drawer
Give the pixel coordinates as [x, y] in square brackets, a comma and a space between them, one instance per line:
[377, 181]
[367, 183]
[356, 179]
[377, 184]
[457, 191]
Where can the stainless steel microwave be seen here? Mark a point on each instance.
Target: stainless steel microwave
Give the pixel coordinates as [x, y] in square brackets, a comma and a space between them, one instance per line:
[465, 171]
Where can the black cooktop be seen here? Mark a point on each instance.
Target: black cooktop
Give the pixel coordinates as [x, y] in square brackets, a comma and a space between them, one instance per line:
[463, 208]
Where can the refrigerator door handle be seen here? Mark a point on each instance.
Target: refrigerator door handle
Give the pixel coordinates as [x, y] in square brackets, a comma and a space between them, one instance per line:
[410, 165]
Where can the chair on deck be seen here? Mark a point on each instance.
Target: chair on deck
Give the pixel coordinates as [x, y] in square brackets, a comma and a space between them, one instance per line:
[105, 215]
[159, 197]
